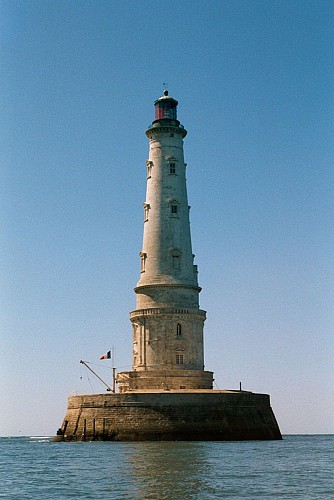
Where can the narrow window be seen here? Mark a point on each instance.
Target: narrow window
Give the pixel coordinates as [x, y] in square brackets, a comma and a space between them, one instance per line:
[149, 165]
[178, 329]
[176, 262]
[176, 258]
[142, 261]
[172, 168]
[179, 359]
[174, 209]
[146, 210]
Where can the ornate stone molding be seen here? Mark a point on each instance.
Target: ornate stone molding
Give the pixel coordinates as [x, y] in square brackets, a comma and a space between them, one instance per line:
[166, 285]
[164, 129]
[167, 311]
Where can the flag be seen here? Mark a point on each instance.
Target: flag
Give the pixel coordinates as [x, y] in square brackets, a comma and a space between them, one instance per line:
[106, 356]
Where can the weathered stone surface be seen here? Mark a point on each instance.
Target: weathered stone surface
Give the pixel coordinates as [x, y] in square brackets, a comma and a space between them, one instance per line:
[170, 415]
[168, 379]
[167, 323]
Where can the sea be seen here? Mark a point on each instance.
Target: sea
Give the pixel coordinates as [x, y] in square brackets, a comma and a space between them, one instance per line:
[299, 466]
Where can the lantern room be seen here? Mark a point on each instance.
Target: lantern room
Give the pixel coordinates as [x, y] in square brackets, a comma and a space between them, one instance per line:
[165, 107]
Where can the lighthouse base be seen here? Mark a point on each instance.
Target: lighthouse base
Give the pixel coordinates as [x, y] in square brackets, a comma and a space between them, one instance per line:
[198, 415]
[164, 380]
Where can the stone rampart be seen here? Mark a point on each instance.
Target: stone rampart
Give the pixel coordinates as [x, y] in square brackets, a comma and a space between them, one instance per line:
[169, 415]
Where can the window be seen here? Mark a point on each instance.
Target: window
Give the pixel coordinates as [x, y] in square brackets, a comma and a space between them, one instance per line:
[149, 165]
[146, 210]
[142, 261]
[178, 329]
[172, 165]
[179, 359]
[176, 258]
[174, 208]
[176, 262]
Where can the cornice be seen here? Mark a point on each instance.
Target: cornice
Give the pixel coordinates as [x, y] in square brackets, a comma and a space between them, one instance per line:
[137, 289]
[168, 311]
[165, 129]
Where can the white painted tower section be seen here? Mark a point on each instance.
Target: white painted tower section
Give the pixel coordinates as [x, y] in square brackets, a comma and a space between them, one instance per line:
[167, 323]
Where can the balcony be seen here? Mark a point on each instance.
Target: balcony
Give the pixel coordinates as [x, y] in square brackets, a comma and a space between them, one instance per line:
[163, 311]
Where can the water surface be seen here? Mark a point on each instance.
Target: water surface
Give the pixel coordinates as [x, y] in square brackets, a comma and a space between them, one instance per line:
[297, 467]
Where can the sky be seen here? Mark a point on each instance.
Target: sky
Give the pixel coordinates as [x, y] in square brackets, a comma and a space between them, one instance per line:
[254, 81]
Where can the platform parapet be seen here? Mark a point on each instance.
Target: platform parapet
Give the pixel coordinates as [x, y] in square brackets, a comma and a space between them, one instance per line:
[170, 415]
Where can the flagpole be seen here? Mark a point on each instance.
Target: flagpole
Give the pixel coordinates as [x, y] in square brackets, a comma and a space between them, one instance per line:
[113, 370]
[111, 355]
[114, 380]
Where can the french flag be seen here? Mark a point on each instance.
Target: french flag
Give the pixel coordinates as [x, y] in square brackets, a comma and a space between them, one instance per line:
[106, 356]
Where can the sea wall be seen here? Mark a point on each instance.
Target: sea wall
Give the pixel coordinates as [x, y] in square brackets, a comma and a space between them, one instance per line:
[169, 415]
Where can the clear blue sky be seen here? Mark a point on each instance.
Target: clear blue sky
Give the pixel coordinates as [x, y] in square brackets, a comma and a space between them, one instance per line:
[254, 81]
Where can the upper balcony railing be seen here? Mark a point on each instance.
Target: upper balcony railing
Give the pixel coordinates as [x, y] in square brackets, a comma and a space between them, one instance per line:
[166, 310]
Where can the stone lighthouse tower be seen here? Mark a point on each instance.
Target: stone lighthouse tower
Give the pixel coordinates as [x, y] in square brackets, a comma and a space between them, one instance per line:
[167, 395]
[167, 322]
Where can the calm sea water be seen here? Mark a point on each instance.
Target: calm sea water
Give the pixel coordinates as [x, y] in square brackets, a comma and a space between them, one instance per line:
[297, 467]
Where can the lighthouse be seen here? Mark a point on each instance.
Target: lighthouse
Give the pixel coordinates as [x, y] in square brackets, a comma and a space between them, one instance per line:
[167, 395]
[167, 324]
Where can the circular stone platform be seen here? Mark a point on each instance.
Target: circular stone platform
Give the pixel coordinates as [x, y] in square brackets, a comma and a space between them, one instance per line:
[194, 415]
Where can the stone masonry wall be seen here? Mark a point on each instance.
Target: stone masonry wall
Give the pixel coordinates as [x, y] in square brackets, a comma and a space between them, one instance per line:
[193, 415]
